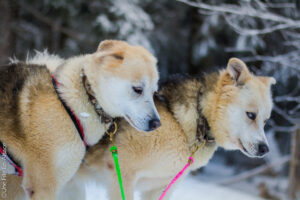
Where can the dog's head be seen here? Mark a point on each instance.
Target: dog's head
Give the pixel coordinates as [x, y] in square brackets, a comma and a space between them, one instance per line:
[124, 78]
[243, 104]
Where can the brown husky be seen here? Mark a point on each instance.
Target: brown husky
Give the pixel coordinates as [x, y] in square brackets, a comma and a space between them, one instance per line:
[41, 115]
[228, 109]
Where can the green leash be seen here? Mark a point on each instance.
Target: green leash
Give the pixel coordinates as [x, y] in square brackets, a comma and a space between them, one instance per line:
[114, 152]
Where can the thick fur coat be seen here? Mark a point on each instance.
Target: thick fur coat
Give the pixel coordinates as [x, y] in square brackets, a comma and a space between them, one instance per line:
[36, 128]
[229, 101]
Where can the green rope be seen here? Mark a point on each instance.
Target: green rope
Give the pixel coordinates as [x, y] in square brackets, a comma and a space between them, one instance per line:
[114, 152]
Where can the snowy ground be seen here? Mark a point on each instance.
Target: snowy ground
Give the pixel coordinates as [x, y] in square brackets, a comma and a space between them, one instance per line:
[189, 189]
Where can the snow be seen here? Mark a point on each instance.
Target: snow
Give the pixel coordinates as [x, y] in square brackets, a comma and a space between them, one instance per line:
[275, 186]
[106, 24]
[133, 23]
[189, 189]
[84, 114]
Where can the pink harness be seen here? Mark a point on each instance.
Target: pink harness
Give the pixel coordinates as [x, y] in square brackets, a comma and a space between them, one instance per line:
[202, 126]
[191, 160]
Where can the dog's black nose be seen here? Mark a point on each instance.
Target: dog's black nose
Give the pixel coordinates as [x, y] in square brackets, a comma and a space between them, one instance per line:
[154, 124]
[262, 149]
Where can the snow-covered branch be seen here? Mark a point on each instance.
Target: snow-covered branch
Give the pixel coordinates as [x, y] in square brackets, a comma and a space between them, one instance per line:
[237, 15]
[244, 11]
[277, 128]
[291, 59]
[287, 98]
[247, 31]
[285, 115]
[255, 171]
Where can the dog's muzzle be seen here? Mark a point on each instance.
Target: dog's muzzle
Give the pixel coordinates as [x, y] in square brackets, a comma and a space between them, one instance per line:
[154, 124]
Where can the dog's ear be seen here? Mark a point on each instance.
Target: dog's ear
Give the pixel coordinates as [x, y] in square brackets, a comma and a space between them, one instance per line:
[116, 55]
[107, 45]
[112, 48]
[268, 81]
[238, 70]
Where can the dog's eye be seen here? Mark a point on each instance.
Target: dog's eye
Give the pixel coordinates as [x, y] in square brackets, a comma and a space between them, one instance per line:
[251, 115]
[266, 120]
[138, 90]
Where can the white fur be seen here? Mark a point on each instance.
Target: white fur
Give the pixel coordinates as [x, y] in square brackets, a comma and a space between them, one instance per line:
[84, 114]
[250, 134]
[113, 89]
[42, 58]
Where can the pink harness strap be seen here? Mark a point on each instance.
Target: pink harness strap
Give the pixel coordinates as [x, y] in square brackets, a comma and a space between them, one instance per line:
[191, 160]
[18, 169]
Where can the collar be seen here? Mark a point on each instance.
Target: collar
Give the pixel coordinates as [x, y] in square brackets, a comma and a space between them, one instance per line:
[203, 129]
[105, 118]
[203, 136]
[10, 160]
[71, 113]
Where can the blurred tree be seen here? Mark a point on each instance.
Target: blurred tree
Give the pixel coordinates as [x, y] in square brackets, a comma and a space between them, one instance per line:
[187, 36]
[252, 30]
[294, 185]
[8, 15]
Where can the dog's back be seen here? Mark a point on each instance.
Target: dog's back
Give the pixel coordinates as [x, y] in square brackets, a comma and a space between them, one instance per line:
[13, 78]
[20, 83]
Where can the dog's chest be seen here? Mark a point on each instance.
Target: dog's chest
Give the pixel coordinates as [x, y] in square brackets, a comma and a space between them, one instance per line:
[203, 156]
[68, 159]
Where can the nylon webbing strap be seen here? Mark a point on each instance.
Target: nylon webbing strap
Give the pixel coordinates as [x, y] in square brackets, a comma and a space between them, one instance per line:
[114, 151]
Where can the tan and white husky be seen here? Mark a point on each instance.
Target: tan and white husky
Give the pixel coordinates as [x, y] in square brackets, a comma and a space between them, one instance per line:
[118, 80]
[228, 108]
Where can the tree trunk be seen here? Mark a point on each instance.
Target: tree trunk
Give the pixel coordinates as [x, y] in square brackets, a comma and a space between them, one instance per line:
[193, 37]
[294, 182]
[7, 36]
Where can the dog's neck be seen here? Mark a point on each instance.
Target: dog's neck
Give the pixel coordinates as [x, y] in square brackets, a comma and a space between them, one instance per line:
[73, 92]
[105, 118]
[184, 96]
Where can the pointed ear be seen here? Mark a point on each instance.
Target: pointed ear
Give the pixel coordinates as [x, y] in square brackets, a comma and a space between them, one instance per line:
[99, 56]
[106, 45]
[111, 48]
[238, 70]
[268, 81]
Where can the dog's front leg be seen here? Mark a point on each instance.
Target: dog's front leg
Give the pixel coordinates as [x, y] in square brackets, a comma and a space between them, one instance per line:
[158, 189]
[155, 194]
[128, 184]
[73, 190]
[39, 182]
[38, 190]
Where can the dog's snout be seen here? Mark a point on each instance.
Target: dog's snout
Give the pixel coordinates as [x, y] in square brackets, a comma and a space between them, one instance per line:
[262, 149]
[154, 124]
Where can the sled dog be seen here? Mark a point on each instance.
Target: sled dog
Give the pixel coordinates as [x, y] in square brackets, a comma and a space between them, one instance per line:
[47, 119]
[228, 108]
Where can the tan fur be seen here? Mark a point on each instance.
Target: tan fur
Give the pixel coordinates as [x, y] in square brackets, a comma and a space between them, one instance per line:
[214, 106]
[36, 128]
[129, 56]
[149, 161]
